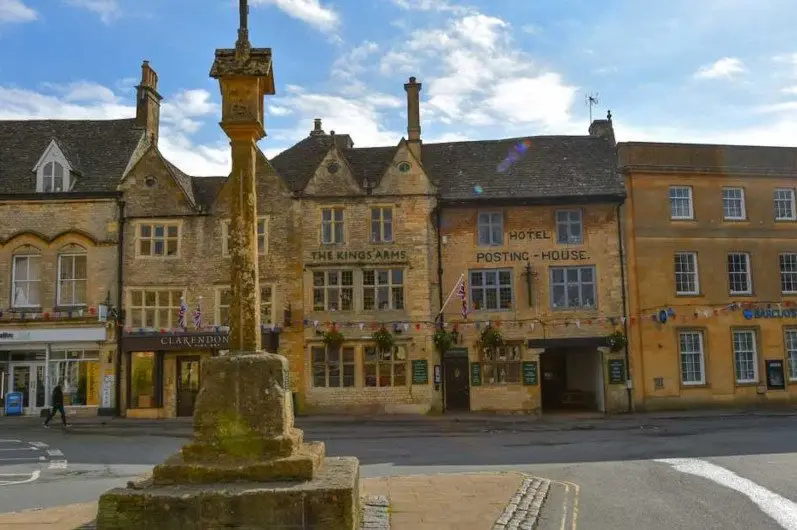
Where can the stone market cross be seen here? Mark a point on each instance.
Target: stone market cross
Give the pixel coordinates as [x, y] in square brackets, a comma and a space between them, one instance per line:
[247, 465]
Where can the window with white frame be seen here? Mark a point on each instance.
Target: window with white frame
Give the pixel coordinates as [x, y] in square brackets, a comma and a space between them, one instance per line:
[55, 177]
[384, 368]
[739, 280]
[332, 232]
[224, 299]
[383, 289]
[491, 289]
[333, 367]
[158, 239]
[791, 353]
[333, 290]
[491, 228]
[26, 279]
[72, 276]
[569, 227]
[788, 273]
[745, 354]
[681, 206]
[262, 236]
[784, 205]
[381, 224]
[573, 288]
[692, 355]
[154, 308]
[686, 275]
[733, 204]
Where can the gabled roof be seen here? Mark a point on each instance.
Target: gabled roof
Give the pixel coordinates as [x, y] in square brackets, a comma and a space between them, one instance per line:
[97, 149]
[182, 180]
[554, 166]
[297, 164]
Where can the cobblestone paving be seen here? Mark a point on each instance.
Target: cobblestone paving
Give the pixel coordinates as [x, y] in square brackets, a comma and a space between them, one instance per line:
[376, 513]
[523, 510]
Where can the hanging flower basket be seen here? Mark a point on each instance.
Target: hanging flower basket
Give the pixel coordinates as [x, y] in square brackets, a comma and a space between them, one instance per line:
[384, 339]
[490, 342]
[616, 341]
[333, 338]
[443, 340]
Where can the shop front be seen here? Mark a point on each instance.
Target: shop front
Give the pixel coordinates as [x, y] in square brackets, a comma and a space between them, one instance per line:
[34, 360]
[161, 371]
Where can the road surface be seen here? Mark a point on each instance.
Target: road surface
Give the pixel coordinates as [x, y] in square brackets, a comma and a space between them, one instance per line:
[678, 474]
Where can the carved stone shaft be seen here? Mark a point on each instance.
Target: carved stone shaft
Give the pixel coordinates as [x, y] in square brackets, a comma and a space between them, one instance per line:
[245, 303]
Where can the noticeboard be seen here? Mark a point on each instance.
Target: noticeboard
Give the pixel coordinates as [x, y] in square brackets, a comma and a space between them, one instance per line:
[616, 371]
[475, 374]
[529, 371]
[420, 372]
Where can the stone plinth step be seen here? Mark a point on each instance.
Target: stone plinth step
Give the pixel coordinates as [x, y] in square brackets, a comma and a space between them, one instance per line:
[328, 502]
[300, 466]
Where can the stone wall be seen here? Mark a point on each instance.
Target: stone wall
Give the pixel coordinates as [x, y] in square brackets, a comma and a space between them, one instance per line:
[530, 237]
[652, 239]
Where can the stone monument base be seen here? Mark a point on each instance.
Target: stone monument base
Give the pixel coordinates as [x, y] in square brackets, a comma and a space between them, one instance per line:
[330, 501]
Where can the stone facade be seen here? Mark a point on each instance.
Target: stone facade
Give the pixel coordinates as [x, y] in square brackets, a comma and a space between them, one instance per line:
[525, 251]
[199, 269]
[83, 235]
[714, 348]
[407, 200]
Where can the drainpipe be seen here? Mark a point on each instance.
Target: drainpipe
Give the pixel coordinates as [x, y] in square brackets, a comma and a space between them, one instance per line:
[120, 254]
[625, 309]
[440, 300]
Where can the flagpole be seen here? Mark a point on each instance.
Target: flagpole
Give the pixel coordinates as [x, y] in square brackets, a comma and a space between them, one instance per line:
[461, 278]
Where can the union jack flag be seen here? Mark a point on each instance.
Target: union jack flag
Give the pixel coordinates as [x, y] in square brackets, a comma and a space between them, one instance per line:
[462, 296]
[198, 314]
[181, 314]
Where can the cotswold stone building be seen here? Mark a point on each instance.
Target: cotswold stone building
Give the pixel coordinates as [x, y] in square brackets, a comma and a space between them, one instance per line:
[711, 234]
[59, 275]
[175, 262]
[530, 227]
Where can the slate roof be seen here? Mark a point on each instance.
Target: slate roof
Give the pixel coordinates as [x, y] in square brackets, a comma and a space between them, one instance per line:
[554, 167]
[98, 150]
[708, 158]
[206, 189]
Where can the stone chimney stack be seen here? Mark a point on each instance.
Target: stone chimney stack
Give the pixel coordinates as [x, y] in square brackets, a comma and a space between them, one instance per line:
[413, 90]
[603, 128]
[317, 130]
[148, 103]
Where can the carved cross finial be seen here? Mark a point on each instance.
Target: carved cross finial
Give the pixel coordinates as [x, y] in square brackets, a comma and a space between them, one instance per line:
[609, 115]
[244, 13]
[242, 47]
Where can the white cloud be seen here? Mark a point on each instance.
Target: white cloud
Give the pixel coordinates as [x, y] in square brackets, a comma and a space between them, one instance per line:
[430, 5]
[107, 9]
[16, 11]
[722, 68]
[309, 11]
[348, 66]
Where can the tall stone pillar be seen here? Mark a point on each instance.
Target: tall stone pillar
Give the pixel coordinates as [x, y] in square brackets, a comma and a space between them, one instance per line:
[247, 465]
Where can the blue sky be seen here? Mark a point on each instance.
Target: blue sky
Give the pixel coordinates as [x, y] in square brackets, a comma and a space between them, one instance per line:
[674, 70]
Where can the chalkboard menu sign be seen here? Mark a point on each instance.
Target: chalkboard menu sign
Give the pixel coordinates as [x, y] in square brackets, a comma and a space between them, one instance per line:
[616, 371]
[475, 374]
[529, 369]
[420, 372]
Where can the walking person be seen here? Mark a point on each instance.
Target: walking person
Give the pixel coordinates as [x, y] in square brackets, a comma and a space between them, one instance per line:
[58, 406]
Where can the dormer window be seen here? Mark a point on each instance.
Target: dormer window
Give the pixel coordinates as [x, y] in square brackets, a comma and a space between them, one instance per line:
[53, 171]
[53, 177]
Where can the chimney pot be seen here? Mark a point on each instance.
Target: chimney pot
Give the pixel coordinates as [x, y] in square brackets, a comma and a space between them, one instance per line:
[412, 79]
[317, 130]
[413, 90]
[148, 102]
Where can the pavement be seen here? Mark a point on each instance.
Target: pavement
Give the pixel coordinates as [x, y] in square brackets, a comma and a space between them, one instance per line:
[423, 502]
[701, 471]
